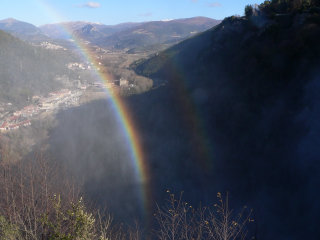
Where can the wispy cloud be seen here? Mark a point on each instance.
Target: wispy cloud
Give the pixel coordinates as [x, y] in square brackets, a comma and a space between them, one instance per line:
[90, 5]
[214, 4]
[147, 14]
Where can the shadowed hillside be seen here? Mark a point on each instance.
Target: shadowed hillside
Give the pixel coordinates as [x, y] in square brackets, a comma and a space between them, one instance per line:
[250, 86]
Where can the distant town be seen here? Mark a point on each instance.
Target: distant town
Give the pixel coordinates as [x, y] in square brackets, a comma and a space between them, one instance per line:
[52, 103]
[12, 118]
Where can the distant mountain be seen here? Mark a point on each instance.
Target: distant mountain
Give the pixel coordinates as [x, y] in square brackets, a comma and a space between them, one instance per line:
[22, 30]
[239, 113]
[86, 30]
[26, 70]
[95, 33]
[132, 36]
[156, 35]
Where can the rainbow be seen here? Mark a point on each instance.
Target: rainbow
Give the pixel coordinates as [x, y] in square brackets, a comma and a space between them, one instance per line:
[204, 150]
[121, 112]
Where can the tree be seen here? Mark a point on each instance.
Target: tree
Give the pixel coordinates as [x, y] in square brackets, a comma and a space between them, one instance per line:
[248, 11]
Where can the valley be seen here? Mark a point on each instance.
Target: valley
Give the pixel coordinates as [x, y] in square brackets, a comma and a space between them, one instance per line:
[133, 118]
[80, 85]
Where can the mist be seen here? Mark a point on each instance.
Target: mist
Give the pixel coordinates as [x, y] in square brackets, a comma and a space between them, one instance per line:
[92, 144]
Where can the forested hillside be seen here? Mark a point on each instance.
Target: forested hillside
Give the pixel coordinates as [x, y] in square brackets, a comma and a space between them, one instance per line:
[26, 70]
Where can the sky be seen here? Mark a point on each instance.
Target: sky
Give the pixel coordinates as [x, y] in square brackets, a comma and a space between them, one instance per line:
[110, 12]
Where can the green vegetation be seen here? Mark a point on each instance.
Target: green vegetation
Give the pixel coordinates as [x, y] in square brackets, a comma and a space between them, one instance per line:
[71, 224]
[8, 231]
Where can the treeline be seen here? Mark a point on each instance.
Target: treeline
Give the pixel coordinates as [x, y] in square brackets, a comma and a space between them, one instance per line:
[271, 8]
[39, 200]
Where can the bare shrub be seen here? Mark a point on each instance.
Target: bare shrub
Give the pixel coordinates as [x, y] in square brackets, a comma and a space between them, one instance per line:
[222, 224]
[179, 220]
[38, 200]
[26, 188]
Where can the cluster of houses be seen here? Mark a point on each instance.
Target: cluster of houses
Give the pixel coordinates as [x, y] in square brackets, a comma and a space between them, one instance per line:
[18, 119]
[56, 100]
[77, 66]
[82, 66]
[13, 124]
[51, 46]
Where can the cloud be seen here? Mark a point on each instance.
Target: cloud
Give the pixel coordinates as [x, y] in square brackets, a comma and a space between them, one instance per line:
[90, 5]
[214, 4]
[194, 1]
[147, 14]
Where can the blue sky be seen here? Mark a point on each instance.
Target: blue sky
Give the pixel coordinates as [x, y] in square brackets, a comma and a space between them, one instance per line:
[40, 12]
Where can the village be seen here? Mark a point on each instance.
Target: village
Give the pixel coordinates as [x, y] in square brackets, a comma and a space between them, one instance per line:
[55, 101]
[73, 95]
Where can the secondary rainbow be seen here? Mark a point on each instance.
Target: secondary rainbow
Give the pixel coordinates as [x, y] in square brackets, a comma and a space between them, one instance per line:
[121, 111]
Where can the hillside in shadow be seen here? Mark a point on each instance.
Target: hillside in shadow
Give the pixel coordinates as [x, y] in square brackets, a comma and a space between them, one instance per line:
[240, 100]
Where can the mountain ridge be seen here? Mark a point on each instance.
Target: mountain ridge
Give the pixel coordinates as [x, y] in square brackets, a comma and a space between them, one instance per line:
[156, 33]
[23, 30]
[131, 37]
[57, 30]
